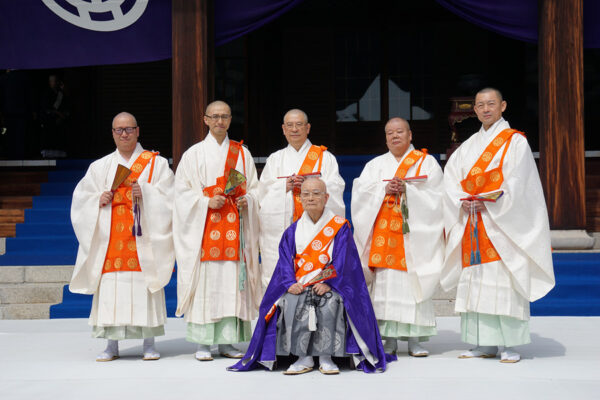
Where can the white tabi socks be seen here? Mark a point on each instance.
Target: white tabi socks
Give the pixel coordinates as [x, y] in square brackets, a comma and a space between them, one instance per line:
[203, 353]
[480, 352]
[150, 352]
[415, 349]
[327, 366]
[110, 353]
[227, 350]
[509, 356]
[301, 366]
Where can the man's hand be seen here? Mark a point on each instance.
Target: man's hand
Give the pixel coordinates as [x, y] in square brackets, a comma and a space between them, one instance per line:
[216, 202]
[296, 288]
[294, 181]
[478, 204]
[136, 191]
[105, 198]
[242, 203]
[321, 288]
[395, 186]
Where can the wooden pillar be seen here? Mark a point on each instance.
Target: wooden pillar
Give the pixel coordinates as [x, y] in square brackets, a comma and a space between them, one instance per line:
[562, 158]
[192, 50]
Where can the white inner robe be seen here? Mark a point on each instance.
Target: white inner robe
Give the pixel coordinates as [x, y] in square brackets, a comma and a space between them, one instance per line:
[402, 296]
[125, 297]
[208, 291]
[277, 206]
[517, 225]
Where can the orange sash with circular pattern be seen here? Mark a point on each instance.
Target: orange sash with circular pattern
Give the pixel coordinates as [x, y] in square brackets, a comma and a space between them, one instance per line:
[314, 153]
[479, 181]
[122, 251]
[221, 240]
[387, 245]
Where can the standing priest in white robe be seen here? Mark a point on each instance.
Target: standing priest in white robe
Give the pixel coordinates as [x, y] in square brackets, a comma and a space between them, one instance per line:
[280, 203]
[126, 253]
[398, 230]
[218, 276]
[497, 253]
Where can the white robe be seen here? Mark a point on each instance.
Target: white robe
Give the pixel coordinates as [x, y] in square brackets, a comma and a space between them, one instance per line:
[398, 295]
[277, 205]
[517, 225]
[124, 298]
[208, 291]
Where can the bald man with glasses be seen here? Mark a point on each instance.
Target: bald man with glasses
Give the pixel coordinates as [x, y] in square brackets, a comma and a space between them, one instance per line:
[126, 252]
[280, 181]
[216, 239]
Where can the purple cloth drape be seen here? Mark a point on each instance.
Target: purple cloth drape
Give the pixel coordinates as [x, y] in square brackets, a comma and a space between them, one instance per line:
[234, 18]
[349, 284]
[518, 19]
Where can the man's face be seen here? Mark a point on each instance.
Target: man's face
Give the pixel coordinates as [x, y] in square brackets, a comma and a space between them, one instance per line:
[489, 108]
[295, 129]
[313, 196]
[218, 118]
[125, 141]
[397, 137]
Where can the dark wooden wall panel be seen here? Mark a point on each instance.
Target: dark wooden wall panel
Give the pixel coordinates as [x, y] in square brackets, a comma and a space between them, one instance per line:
[561, 112]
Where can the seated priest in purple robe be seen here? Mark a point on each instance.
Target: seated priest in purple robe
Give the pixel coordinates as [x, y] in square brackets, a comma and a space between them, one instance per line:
[317, 302]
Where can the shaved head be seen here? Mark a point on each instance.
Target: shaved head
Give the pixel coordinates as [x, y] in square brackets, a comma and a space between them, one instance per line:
[314, 183]
[215, 104]
[124, 114]
[296, 111]
[398, 120]
[491, 90]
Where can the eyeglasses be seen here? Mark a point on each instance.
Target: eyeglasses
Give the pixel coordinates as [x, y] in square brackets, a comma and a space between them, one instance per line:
[129, 130]
[316, 193]
[298, 125]
[216, 117]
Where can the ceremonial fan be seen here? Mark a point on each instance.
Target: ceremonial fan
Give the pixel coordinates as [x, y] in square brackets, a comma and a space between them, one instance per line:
[234, 180]
[120, 176]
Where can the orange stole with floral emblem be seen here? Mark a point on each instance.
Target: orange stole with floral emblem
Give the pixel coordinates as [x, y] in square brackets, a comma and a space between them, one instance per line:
[122, 251]
[387, 245]
[221, 240]
[314, 153]
[311, 265]
[479, 181]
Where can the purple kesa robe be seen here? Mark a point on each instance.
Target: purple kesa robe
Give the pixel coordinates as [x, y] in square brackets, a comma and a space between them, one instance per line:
[349, 284]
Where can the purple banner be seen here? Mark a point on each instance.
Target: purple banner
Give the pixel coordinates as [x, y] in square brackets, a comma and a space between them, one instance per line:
[518, 19]
[55, 33]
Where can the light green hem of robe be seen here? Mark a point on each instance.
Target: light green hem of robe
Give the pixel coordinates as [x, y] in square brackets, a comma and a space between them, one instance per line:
[127, 332]
[403, 331]
[493, 330]
[229, 330]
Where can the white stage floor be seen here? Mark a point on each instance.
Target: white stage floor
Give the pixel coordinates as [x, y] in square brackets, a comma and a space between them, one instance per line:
[52, 359]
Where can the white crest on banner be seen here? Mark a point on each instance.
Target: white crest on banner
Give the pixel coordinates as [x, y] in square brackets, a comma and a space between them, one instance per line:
[86, 9]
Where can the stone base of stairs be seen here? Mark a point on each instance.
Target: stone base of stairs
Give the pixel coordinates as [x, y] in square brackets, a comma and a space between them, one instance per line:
[27, 292]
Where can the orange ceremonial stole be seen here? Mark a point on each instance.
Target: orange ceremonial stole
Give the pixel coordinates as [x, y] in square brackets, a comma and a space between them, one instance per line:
[479, 181]
[387, 245]
[308, 165]
[312, 266]
[122, 251]
[221, 239]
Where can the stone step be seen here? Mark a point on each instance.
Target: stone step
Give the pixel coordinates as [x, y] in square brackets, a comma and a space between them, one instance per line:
[20, 189]
[36, 274]
[8, 229]
[23, 176]
[16, 202]
[25, 311]
[28, 293]
[12, 216]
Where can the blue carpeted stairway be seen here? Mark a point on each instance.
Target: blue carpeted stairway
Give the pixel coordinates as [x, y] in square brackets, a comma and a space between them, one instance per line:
[46, 238]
